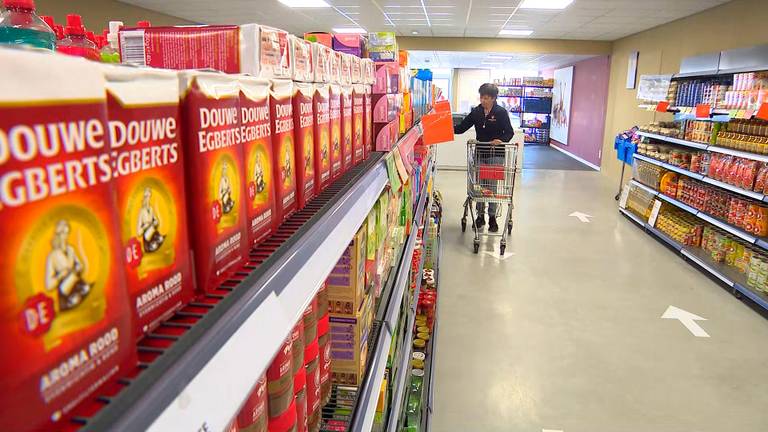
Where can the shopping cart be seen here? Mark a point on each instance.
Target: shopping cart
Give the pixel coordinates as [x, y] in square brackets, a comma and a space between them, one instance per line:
[491, 170]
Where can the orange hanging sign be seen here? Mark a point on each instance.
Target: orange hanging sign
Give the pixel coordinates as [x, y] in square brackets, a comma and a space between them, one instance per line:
[662, 106]
[437, 127]
[762, 113]
[703, 110]
[443, 106]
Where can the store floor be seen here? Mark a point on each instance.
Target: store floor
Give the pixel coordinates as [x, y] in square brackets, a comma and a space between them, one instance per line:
[566, 333]
[546, 157]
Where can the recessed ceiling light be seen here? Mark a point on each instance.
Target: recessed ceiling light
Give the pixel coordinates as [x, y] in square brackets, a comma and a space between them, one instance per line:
[414, 32]
[305, 3]
[356, 30]
[545, 4]
[507, 32]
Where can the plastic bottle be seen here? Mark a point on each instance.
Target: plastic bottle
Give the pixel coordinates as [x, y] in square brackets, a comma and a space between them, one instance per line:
[75, 41]
[110, 53]
[19, 25]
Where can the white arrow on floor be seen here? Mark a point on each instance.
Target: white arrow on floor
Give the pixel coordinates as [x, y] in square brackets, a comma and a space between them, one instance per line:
[497, 256]
[687, 319]
[582, 216]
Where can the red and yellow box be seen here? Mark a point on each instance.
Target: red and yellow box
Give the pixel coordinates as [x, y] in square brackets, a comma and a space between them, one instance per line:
[66, 318]
[257, 150]
[322, 136]
[337, 154]
[347, 128]
[304, 139]
[283, 158]
[358, 118]
[368, 146]
[214, 172]
[145, 136]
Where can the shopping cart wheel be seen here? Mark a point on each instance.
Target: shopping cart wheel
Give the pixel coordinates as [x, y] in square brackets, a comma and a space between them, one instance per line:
[502, 249]
[463, 224]
[509, 228]
[477, 247]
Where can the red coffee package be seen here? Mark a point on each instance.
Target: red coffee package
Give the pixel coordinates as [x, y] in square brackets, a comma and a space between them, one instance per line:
[367, 122]
[304, 141]
[253, 415]
[358, 117]
[66, 318]
[283, 160]
[145, 134]
[257, 150]
[214, 171]
[337, 156]
[347, 151]
[322, 136]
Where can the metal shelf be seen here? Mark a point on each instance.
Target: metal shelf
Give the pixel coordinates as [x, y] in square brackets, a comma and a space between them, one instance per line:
[202, 379]
[669, 167]
[738, 232]
[728, 275]
[426, 419]
[365, 409]
[678, 141]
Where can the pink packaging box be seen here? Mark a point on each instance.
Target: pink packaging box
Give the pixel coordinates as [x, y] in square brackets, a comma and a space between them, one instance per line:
[387, 78]
[385, 108]
[349, 43]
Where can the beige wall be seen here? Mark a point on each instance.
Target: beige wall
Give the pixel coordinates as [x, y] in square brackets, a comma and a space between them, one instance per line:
[739, 23]
[97, 13]
[538, 46]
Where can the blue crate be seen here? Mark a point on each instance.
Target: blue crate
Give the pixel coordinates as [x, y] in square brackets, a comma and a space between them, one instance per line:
[625, 149]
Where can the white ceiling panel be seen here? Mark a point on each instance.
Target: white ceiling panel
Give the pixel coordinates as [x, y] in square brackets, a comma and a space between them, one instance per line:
[582, 19]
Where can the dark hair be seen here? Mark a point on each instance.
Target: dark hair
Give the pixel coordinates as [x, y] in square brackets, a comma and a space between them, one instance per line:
[489, 89]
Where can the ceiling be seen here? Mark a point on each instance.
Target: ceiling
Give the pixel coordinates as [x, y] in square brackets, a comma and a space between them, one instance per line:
[582, 19]
[497, 61]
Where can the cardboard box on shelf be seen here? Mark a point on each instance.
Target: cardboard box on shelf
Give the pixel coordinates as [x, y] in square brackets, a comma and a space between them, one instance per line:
[250, 48]
[368, 70]
[151, 196]
[368, 146]
[382, 46]
[66, 318]
[214, 174]
[322, 136]
[346, 69]
[335, 67]
[358, 118]
[349, 344]
[304, 141]
[303, 66]
[283, 158]
[347, 151]
[322, 38]
[356, 70]
[337, 156]
[346, 283]
[352, 44]
[387, 78]
[321, 61]
[385, 107]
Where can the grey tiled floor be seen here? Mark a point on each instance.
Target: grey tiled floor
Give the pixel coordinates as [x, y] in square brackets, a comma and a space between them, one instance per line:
[566, 334]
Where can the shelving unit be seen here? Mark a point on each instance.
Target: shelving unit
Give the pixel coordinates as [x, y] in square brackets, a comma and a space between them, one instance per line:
[387, 315]
[202, 374]
[734, 280]
[524, 110]
[429, 375]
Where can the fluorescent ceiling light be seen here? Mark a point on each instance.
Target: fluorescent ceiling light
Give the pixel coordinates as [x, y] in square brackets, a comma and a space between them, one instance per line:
[498, 57]
[545, 4]
[507, 32]
[492, 63]
[414, 32]
[356, 30]
[305, 3]
[424, 8]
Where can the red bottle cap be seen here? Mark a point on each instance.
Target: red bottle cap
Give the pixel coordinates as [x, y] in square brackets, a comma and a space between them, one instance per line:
[48, 20]
[59, 30]
[90, 36]
[75, 25]
[19, 4]
[143, 24]
[101, 41]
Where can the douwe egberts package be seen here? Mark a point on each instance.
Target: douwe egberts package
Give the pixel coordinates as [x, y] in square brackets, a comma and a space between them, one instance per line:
[337, 157]
[214, 172]
[303, 66]
[335, 67]
[304, 141]
[66, 326]
[148, 163]
[347, 128]
[321, 61]
[283, 159]
[358, 118]
[257, 151]
[322, 136]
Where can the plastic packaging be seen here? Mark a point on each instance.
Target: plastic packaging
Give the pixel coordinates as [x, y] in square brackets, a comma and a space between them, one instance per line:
[19, 25]
[75, 42]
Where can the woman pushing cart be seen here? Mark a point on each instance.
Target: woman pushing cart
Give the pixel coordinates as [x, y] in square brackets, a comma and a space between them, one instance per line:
[491, 163]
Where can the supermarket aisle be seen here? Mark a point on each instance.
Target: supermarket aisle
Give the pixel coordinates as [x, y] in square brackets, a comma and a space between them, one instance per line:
[566, 333]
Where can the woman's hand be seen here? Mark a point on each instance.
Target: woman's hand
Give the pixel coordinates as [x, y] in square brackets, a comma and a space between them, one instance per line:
[496, 141]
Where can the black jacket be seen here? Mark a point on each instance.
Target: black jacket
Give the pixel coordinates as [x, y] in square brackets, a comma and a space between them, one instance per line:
[495, 126]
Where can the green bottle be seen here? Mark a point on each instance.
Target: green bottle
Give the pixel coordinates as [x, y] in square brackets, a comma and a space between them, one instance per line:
[19, 25]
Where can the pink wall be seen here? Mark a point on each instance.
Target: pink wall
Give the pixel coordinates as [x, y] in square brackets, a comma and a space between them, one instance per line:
[588, 107]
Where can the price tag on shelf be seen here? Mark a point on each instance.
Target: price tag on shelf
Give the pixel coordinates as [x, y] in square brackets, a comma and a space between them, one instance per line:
[662, 106]
[703, 110]
[762, 113]
[654, 213]
[624, 196]
[733, 113]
